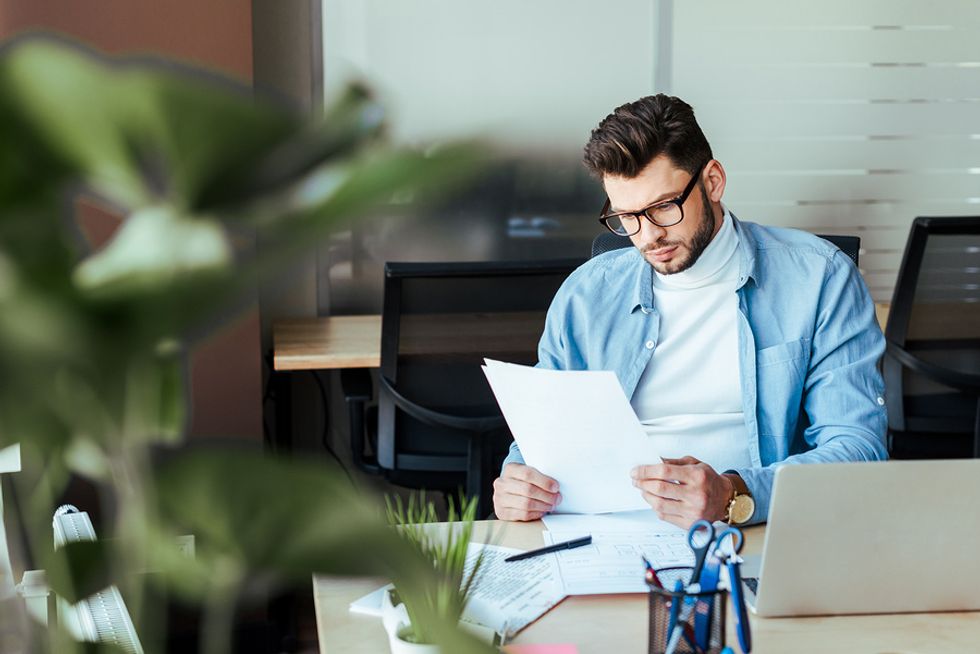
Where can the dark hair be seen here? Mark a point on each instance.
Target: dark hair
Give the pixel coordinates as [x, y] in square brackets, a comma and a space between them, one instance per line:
[636, 133]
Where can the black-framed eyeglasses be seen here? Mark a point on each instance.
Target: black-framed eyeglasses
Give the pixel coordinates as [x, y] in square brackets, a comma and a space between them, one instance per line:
[663, 214]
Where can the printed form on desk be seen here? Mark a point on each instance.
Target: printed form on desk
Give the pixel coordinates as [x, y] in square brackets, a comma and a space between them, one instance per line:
[576, 426]
[506, 597]
[613, 563]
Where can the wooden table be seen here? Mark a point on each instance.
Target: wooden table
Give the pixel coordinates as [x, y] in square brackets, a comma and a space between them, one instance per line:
[614, 624]
[331, 343]
[339, 342]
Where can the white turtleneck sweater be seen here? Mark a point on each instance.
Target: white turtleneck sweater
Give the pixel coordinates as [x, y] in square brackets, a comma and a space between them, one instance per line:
[689, 398]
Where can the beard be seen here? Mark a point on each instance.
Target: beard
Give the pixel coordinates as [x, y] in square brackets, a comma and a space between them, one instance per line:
[695, 247]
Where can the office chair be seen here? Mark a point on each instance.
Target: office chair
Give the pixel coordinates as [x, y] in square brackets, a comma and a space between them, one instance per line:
[437, 425]
[607, 241]
[932, 361]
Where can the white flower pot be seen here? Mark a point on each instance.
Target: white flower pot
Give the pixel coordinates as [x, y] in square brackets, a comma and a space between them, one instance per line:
[396, 623]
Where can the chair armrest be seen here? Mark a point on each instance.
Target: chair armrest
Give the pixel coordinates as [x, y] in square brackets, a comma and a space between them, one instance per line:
[480, 424]
[961, 381]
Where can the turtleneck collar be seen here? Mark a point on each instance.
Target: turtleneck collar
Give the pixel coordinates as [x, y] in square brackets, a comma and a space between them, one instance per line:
[712, 263]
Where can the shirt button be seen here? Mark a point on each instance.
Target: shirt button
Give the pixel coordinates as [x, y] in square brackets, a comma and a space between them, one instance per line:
[881, 401]
[649, 345]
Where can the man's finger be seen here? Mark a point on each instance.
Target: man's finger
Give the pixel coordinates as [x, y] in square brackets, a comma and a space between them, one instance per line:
[530, 475]
[683, 461]
[660, 504]
[682, 474]
[509, 485]
[670, 510]
[518, 516]
[661, 488]
[522, 503]
[649, 471]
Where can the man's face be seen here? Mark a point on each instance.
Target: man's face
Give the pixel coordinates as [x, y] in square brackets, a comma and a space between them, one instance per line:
[668, 249]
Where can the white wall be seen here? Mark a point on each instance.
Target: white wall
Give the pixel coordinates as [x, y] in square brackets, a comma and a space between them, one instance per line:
[535, 73]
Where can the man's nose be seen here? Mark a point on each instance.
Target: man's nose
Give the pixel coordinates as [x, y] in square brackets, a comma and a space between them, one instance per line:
[650, 231]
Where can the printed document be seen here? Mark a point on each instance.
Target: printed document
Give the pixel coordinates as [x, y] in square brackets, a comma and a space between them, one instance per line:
[506, 596]
[613, 563]
[576, 426]
[509, 596]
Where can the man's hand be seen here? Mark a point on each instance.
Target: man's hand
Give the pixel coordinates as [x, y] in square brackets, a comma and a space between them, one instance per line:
[523, 493]
[684, 490]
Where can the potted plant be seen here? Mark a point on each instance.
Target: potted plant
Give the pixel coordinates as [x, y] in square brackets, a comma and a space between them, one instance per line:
[410, 613]
[218, 189]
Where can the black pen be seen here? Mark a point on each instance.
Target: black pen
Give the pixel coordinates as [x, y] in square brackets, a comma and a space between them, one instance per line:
[557, 547]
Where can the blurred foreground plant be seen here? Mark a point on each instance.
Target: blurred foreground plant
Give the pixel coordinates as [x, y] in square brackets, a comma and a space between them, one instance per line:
[92, 344]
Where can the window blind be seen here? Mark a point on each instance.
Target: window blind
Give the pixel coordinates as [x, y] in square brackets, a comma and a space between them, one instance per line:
[839, 116]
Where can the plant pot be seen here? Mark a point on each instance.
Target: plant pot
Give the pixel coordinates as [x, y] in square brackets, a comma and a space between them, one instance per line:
[396, 623]
[400, 646]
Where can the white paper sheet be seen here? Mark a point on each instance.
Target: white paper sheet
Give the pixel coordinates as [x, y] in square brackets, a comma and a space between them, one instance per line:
[613, 563]
[577, 427]
[371, 603]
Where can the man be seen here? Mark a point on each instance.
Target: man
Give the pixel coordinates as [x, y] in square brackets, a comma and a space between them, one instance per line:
[742, 347]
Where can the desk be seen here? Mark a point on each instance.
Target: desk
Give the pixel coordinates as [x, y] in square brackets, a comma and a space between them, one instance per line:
[338, 342]
[331, 343]
[618, 623]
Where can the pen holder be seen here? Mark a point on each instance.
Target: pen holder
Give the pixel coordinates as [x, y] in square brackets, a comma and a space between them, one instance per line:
[710, 605]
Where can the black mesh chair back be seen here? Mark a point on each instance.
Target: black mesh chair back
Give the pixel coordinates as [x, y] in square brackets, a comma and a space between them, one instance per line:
[607, 241]
[932, 361]
[439, 425]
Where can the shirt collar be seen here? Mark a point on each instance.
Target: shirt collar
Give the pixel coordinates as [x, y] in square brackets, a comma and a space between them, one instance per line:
[747, 268]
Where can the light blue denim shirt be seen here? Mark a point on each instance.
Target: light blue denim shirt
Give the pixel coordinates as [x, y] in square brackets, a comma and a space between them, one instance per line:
[808, 340]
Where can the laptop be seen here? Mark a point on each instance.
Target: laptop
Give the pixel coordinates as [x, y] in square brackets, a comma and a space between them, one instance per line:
[882, 537]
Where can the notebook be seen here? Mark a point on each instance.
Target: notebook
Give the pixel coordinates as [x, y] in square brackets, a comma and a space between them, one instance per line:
[882, 537]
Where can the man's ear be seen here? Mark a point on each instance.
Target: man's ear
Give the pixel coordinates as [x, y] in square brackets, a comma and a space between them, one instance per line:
[714, 180]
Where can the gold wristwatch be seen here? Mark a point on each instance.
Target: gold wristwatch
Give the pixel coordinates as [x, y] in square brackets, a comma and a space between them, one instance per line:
[741, 506]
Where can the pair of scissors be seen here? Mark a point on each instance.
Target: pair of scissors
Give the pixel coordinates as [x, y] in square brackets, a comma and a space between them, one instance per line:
[701, 539]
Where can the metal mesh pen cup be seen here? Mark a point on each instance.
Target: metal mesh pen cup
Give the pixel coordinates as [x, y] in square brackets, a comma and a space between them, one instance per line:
[710, 605]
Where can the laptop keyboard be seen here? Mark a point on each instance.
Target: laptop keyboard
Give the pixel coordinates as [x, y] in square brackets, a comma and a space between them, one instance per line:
[752, 583]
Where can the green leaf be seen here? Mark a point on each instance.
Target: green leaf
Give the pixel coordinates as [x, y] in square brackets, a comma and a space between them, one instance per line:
[153, 250]
[78, 569]
[73, 104]
[351, 122]
[197, 133]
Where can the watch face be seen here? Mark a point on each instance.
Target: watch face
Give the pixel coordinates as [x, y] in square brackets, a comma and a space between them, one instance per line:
[743, 506]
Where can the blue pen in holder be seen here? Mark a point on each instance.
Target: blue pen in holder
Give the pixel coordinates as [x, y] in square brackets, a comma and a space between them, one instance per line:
[674, 614]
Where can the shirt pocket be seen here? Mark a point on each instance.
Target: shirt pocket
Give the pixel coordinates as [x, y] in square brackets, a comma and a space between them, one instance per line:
[781, 371]
[782, 353]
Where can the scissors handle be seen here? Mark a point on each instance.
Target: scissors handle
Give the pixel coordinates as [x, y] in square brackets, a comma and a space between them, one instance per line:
[734, 535]
[700, 530]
